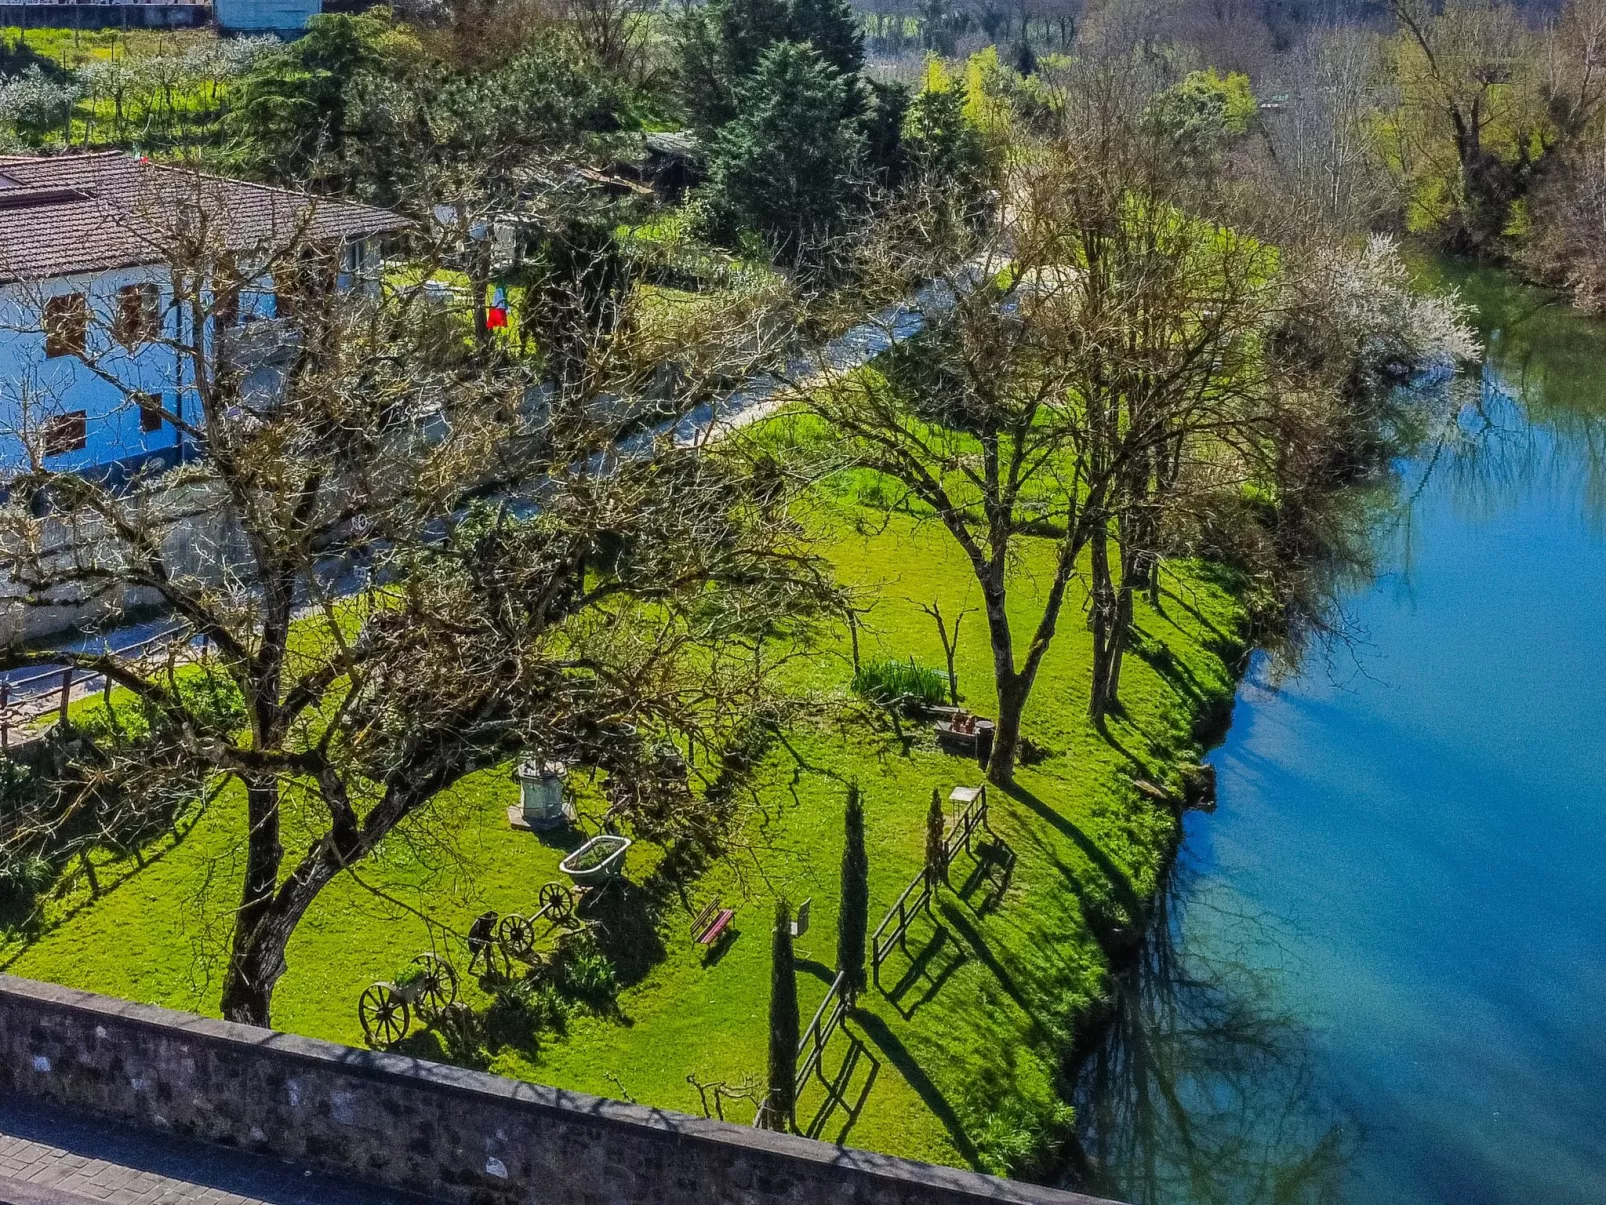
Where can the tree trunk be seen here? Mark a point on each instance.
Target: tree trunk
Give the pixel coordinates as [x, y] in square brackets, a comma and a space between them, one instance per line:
[1006, 735]
[256, 957]
[1119, 634]
[1011, 687]
[1104, 625]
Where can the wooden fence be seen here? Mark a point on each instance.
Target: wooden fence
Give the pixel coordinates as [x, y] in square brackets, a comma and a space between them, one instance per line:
[893, 930]
[25, 702]
[889, 935]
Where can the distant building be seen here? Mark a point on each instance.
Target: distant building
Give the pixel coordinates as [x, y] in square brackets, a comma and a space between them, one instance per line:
[89, 332]
[265, 16]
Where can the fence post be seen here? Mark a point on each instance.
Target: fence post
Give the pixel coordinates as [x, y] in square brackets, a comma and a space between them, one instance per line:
[66, 691]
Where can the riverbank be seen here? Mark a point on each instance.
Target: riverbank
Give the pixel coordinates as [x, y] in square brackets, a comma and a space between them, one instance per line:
[958, 1061]
[1408, 833]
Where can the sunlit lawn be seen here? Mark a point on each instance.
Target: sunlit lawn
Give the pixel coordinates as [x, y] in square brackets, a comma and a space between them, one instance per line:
[955, 1061]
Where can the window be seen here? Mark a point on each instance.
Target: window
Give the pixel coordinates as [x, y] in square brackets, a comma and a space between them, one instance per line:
[66, 432]
[66, 325]
[150, 411]
[226, 307]
[138, 315]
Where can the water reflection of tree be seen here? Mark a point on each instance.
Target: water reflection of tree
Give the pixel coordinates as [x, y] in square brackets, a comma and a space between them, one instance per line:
[1202, 1090]
[1538, 421]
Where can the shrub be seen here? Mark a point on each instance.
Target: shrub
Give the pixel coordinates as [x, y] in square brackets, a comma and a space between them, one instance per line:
[585, 973]
[23, 878]
[892, 683]
[1015, 1140]
[521, 1010]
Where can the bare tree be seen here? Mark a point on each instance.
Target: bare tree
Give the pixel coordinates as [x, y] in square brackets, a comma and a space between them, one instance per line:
[1112, 356]
[380, 632]
[1325, 156]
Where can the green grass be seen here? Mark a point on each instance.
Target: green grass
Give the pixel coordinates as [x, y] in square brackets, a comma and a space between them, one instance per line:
[74, 47]
[957, 1062]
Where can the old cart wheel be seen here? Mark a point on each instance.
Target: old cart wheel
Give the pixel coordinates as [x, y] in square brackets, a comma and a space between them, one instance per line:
[516, 936]
[438, 990]
[556, 903]
[384, 1015]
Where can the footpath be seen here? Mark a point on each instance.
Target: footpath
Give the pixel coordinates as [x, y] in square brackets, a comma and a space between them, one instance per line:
[50, 1156]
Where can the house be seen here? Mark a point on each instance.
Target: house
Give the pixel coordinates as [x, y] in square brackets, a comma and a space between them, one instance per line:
[285, 17]
[91, 343]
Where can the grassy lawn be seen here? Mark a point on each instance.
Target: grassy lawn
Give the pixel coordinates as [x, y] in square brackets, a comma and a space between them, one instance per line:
[68, 47]
[955, 1061]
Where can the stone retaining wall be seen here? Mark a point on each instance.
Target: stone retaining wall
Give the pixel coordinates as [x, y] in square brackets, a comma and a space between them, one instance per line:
[462, 1136]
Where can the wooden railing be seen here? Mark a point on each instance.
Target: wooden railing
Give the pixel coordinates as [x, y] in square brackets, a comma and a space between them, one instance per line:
[23, 701]
[894, 927]
[898, 918]
[817, 1033]
[827, 1020]
[890, 934]
[973, 817]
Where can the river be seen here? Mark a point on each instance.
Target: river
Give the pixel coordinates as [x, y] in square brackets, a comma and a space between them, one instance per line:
[1379, 974]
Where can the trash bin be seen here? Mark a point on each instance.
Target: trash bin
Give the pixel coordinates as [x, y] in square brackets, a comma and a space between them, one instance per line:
[984, 742]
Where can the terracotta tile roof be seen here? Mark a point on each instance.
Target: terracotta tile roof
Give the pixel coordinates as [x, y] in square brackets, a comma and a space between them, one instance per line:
[68, 214]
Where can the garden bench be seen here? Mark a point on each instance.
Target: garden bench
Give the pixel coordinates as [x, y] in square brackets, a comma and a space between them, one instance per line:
[711, 922]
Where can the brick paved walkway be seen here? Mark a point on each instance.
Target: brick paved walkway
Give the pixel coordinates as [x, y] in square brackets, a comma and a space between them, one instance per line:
[52, 1157]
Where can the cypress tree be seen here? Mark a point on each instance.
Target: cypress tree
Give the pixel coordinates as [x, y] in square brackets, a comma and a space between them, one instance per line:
[853, 918]
[784, 1025]
[936, 855]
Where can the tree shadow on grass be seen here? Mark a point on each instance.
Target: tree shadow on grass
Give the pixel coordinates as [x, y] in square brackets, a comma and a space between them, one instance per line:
[994, 869]
[624, 922]
[898, 1055]
[983, 951]
[1120, 883]
[1223, 644]
[143, 860]
[816, 968]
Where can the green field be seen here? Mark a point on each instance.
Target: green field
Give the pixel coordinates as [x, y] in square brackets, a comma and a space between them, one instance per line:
[956, 1061]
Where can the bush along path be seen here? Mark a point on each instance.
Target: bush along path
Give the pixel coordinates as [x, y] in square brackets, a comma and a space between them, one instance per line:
[955, 1056]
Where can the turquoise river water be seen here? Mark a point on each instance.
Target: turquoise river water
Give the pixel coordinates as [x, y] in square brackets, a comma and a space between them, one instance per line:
[1379, 977]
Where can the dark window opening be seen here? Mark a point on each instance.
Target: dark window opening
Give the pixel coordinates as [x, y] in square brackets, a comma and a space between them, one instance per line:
[138, 315]
[66, 432]
[150, 411]
[66, 325]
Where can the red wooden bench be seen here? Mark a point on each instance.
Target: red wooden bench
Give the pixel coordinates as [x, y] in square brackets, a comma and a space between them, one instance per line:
[711, 922]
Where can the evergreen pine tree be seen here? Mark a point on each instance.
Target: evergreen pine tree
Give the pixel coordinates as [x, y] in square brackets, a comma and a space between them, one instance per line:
[790, 167]
[718, 46]
[831, 27]
[936, 855]
[853, 918]
[941, 144]
[748, 29]
[784, 1025]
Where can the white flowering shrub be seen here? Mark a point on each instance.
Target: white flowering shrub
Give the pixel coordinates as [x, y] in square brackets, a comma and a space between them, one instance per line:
[32, 104]
[1396, 330]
